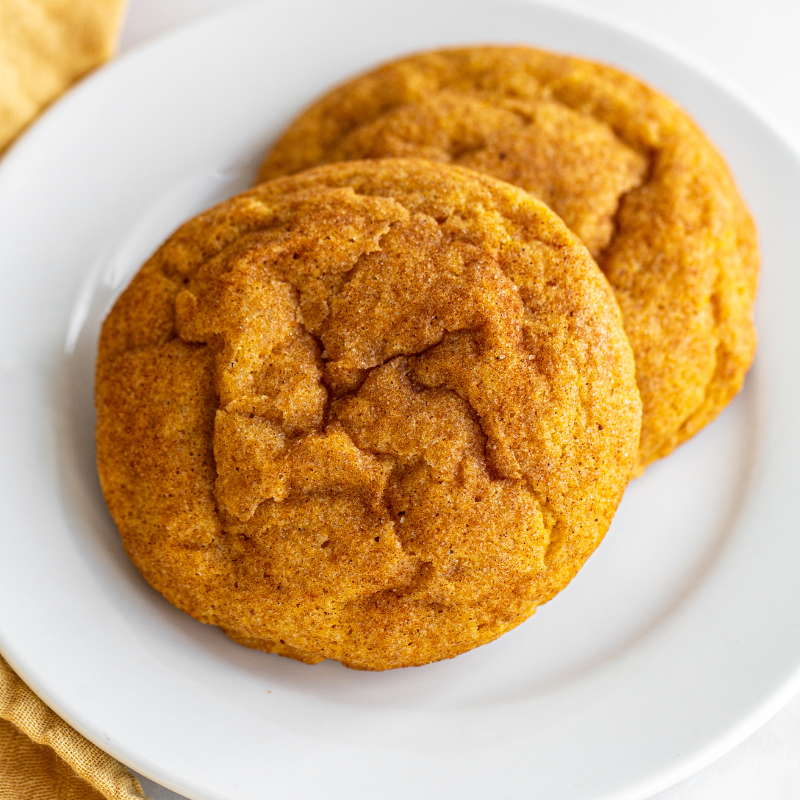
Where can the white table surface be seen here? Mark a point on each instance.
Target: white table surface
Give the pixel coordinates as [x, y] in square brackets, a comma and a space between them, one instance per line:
[756, 44]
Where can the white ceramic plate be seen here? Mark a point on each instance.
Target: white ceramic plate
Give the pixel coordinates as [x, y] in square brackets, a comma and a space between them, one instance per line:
[680, 636]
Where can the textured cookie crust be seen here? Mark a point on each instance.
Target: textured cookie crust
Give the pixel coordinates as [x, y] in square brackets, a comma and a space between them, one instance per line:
[376, 412]
[626, 170]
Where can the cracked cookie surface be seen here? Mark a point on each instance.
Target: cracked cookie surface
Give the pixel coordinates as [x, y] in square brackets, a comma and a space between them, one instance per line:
[625, 169]
[376, 412]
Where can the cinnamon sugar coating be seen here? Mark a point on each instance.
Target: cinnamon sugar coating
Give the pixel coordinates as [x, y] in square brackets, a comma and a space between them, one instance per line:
[376, 412]
[624, 167]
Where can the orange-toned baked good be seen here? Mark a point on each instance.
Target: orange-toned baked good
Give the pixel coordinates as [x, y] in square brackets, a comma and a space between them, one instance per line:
[376, 412]
[623, 166]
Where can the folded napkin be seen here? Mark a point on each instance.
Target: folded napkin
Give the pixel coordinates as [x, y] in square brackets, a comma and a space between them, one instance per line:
[43, 758]
[45, 46]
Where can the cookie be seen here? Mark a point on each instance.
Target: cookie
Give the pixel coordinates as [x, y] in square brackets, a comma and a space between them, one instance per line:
[625, 169]
[376, 412]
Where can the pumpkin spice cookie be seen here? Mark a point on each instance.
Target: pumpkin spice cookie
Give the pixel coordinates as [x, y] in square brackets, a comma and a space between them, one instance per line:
[625, 169]
[376, 412]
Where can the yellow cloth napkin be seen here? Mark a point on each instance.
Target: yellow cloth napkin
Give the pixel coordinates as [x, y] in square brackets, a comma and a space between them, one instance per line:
[43, 758]
[45, 46]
